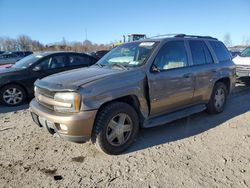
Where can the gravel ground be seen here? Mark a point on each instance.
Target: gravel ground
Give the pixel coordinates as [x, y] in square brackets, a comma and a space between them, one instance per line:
[199, 151]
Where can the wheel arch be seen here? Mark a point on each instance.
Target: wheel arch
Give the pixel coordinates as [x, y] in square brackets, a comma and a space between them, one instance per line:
[131, 100]
[226, 81]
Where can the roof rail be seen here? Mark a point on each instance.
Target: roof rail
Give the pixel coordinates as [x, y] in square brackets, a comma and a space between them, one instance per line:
[181, 35]
[164, 35]
[195, 36]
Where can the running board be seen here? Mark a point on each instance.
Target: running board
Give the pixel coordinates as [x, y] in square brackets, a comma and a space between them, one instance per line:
[161, 120]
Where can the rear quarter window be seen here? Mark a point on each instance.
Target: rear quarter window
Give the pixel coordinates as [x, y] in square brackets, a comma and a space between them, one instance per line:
[220, 51]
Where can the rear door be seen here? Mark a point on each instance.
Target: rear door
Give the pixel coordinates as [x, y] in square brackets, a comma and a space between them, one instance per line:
[172, 84]
[204, 68]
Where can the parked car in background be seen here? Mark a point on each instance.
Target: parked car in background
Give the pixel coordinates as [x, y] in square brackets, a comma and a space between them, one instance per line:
[22, 53]
[138, 84]
[1, 52]
[242, 62]
[234, 53]
[13, 57]
[17, 82]
[99, 54]
[6, 66]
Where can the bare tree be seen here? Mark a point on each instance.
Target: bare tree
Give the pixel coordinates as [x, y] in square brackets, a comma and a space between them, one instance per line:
[8, 44]
[227, 40]
[36, 46]
[1, 44]
[64, 42]
[246, 41]
[24, 42]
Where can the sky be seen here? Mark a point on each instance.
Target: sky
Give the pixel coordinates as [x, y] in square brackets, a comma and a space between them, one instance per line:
[103, 21]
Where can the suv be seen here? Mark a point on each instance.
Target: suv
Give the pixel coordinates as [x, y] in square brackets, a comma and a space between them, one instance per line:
[138, 84]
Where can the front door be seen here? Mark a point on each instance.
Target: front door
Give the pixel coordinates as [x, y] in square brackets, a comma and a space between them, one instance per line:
[171, 82]
[48, 66]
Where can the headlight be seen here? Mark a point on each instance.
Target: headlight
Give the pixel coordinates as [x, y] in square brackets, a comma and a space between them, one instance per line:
[68, 102]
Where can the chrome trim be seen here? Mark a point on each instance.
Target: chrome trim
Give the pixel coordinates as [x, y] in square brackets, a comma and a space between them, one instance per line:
[52, 102]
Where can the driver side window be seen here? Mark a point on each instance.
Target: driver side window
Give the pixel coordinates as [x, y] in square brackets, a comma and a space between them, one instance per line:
[171, 56]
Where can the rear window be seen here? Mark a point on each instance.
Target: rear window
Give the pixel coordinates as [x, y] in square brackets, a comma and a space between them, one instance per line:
[220, 51]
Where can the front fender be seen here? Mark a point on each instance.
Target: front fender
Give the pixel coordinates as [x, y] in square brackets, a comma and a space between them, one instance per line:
[110, 89]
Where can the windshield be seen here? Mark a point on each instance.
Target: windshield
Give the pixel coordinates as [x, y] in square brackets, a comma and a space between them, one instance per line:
[128, 55]
[245, 53]
[27, 61]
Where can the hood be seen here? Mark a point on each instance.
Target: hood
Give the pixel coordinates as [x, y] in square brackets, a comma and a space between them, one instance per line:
[79, 77]
[238, 60]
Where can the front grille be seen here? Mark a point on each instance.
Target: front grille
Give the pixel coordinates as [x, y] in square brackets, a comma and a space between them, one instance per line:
[46, 93]
[46, 105]
[243, 67]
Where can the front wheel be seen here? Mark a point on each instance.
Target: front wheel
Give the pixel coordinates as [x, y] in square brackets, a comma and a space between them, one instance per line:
[116, 128]
[218, 99]
[12, 95]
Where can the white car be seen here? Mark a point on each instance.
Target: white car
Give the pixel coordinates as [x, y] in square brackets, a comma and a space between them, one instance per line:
[242, 63]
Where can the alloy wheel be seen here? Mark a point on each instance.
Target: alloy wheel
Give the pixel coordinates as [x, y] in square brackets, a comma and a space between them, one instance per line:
[12, 96]
[119, 129]
[219, 98]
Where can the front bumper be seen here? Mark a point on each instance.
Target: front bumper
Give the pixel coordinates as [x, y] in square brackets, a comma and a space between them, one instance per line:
[75, 127]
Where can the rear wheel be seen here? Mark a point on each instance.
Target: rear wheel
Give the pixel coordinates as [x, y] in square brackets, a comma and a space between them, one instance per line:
[218, 99]
[12, 95]
[116, 128]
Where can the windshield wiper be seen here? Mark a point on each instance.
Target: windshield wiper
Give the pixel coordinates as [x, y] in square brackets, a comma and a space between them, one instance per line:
[99, 65]
[119, 65]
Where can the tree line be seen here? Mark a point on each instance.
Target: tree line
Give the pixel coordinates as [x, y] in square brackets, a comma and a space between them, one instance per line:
[228, 41]
[25, 43]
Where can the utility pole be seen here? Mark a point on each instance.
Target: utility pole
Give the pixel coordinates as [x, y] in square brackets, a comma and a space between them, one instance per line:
[86, 34]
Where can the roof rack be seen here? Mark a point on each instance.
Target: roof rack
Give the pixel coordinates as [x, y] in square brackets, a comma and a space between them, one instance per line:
[195, 36]
[182, 35]
[164, 35]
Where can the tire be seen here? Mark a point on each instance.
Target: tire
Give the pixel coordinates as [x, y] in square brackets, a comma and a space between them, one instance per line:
[217, 103]
[12, 95]
[107, 132]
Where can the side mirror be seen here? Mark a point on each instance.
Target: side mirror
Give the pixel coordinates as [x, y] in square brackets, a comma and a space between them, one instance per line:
[155, 69]
[37, 69]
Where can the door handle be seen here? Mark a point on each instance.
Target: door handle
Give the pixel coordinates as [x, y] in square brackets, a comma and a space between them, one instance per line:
[188, 75]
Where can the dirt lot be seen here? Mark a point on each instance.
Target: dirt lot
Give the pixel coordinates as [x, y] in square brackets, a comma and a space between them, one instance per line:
[198, 151]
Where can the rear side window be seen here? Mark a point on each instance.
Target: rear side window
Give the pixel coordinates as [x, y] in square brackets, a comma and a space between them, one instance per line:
[53, 62]
[171, 56]
[77, 60]
[220, 51]
[200, 52]
[9, 56]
